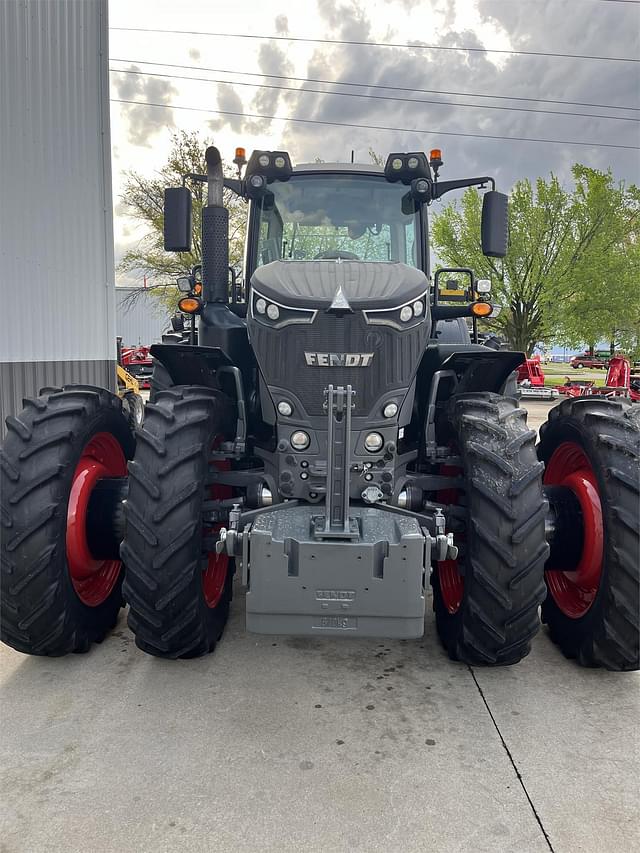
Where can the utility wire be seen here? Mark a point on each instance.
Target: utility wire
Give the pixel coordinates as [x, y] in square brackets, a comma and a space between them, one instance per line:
[393, 98]
[429, 131]
[380, 85]
[418, 46]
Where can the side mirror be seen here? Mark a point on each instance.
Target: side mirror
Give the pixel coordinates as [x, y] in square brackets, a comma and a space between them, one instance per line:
[177, 219]
[495, 224]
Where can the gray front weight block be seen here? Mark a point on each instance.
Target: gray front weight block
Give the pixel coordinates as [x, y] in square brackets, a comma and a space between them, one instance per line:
[372, 586]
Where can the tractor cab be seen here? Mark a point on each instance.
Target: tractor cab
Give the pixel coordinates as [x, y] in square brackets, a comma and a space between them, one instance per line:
[331, 212]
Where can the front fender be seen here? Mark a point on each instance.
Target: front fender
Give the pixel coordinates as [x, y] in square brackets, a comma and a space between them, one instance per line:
[191, 365]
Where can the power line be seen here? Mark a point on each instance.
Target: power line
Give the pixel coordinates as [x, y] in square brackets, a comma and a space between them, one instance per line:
[430, 131]
[378, 44]
[393, 98]
[381, 85]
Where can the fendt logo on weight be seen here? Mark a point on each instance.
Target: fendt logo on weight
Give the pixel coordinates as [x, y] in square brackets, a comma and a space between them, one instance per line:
[338, 359]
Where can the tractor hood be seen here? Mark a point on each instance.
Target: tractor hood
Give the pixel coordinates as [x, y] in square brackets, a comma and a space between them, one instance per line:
[372, 285]
[334, 322]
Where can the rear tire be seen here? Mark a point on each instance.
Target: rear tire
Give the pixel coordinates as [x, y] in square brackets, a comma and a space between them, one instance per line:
[598, 626]
[486, 602]
[53, 602]
[178, 593]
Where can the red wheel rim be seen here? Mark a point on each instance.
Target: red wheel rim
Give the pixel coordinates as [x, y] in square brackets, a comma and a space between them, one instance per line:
[93, 580]
[214, 576]
[575, 590]
[449, 577]
[451, 584]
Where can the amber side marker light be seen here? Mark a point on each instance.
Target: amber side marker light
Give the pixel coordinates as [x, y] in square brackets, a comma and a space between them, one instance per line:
[481, 309]
[190, 305]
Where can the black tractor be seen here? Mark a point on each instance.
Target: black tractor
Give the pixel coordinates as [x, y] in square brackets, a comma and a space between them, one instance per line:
[326, 427]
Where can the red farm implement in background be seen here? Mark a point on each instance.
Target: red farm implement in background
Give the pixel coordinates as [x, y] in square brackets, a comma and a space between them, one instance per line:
[617, 384]
[530, 381]
[138, 361]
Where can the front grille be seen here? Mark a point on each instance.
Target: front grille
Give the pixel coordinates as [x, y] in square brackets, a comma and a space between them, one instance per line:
[281, 355]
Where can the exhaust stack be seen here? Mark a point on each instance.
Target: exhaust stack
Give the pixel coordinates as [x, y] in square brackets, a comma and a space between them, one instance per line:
[215, 234]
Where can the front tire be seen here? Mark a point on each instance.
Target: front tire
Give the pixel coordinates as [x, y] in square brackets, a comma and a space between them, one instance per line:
[486, 602]
[177, 588]
[592, 446]
[160, 380]
[56, 597]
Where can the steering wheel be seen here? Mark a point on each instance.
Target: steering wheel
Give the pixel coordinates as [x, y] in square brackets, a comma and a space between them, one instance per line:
[334, 254]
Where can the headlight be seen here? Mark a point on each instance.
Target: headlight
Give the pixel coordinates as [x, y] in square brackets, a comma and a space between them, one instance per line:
[396, 164]
[264, 160]
[279, 162]
[413, 162]
[269, 313]
[300, 440]
[401, 317]
[273, 312]
[373, 442]
[285, 408]
[390, 410]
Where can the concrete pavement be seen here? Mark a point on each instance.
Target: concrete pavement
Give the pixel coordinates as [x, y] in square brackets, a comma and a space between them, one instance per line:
[285, 744]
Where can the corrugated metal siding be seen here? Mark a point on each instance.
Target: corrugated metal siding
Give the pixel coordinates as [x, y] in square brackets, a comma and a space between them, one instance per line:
[139, 320]
[55, 182]
[25, 379]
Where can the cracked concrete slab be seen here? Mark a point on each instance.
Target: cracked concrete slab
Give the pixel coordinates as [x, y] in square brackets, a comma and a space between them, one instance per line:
[574, 735]
[282, 744]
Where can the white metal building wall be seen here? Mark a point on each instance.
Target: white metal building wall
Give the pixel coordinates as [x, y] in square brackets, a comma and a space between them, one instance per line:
[56, 229]
[140, 320]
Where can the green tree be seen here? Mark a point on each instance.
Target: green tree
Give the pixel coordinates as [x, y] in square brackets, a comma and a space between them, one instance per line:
[556, 236]
[602, 302]
[143, 197]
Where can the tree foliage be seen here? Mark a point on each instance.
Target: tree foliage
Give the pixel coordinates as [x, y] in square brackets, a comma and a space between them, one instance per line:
[143, 197]
[567, 248]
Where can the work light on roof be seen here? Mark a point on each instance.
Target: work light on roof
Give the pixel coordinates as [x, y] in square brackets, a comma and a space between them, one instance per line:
[407, 167]
[273, 165]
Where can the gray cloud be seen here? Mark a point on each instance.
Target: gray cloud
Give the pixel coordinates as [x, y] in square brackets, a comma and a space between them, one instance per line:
[537, 25]
[228, 101]
[144, 122]
[194, 54]
[272, 59]
[282, 24]
[561, 26]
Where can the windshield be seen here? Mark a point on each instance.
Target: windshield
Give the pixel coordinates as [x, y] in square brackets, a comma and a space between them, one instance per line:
[327, 215]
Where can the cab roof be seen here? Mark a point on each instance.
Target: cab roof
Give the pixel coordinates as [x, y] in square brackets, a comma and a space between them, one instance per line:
[362, 168]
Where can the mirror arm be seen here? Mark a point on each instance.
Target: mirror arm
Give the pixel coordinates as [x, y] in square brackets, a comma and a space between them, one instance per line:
[232, 184]
[450, 312]
[440, 188]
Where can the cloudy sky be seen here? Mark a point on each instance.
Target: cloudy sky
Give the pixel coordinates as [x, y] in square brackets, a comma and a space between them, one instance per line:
[422, 119]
